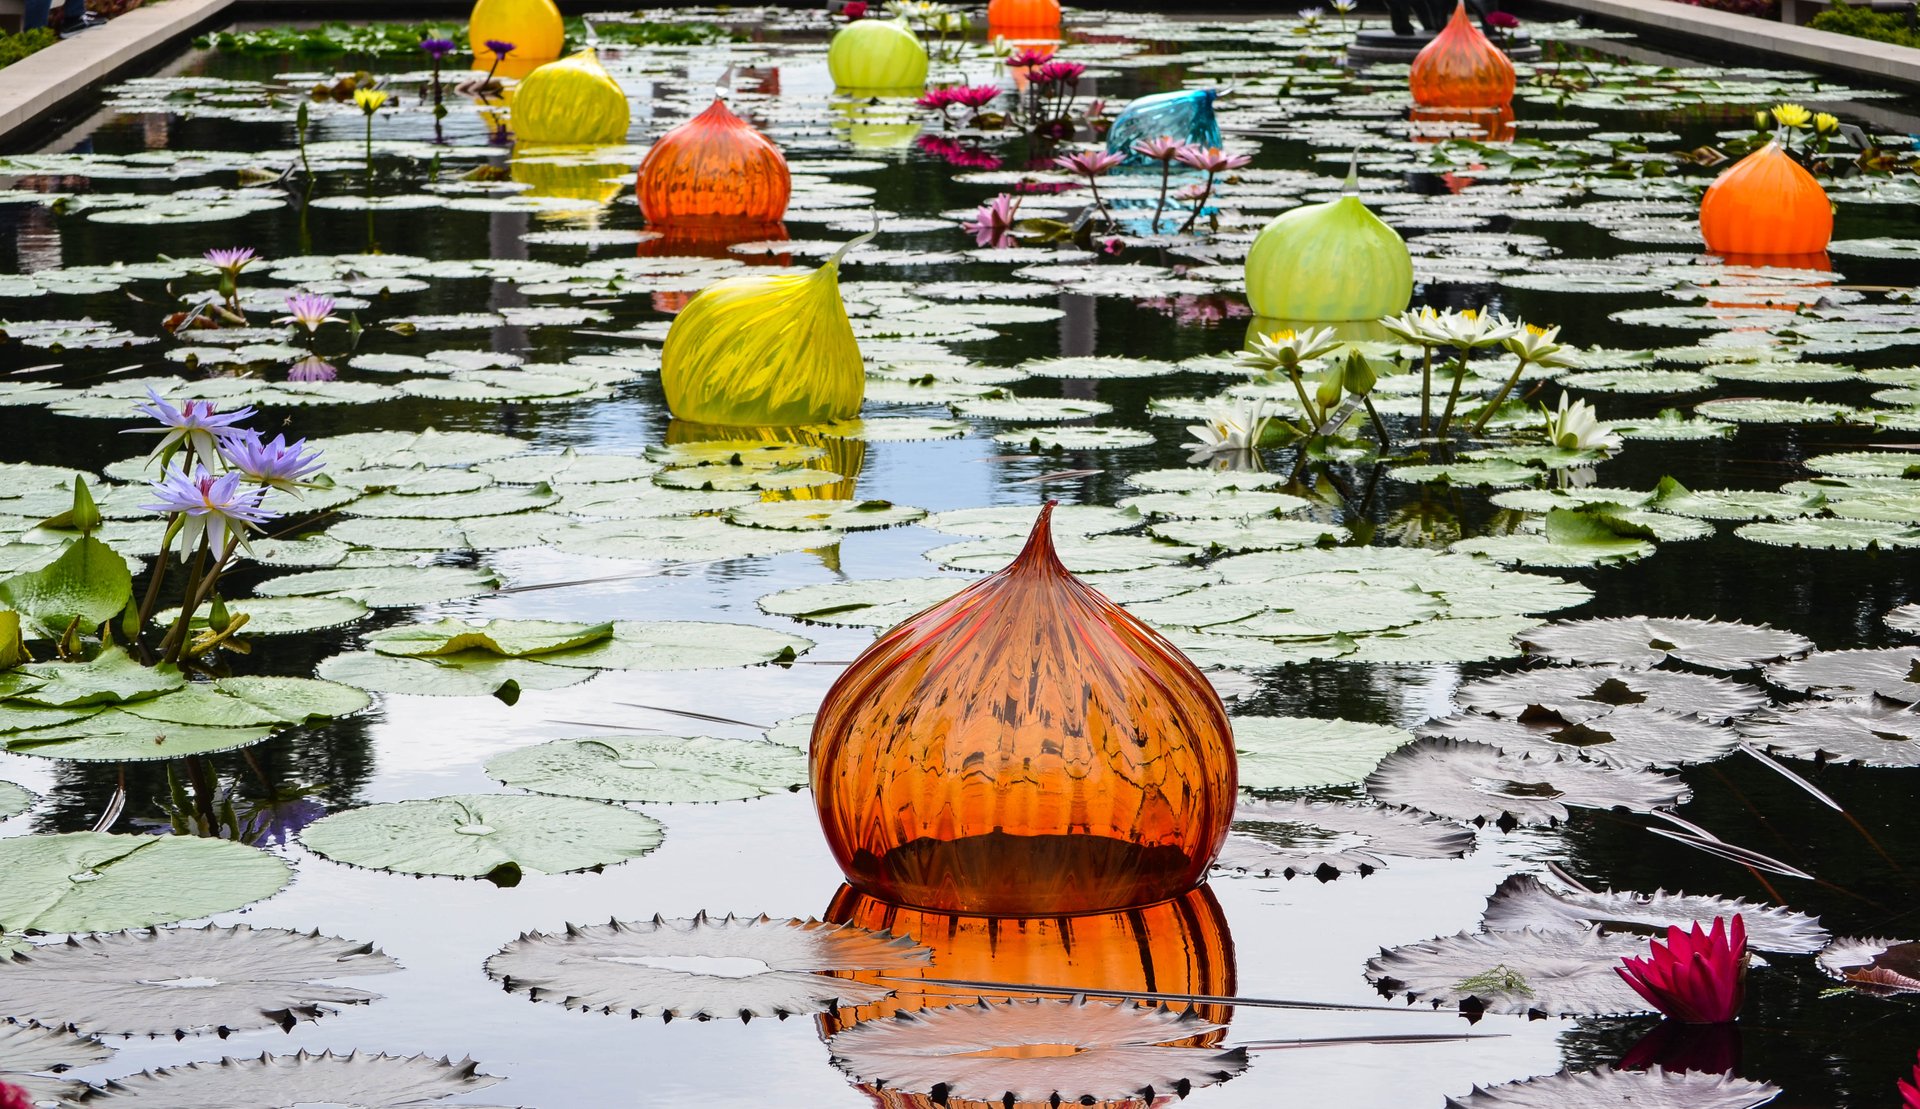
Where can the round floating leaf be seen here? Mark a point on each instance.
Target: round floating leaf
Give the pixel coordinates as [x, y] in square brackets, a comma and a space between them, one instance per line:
[1892, 672]
[1832, 534]
[1097, 367]
[683, 645]
[1233, 536]
[1325, 840]
[704, 967]
[14, 800]
[1732, 504]
[1663, 382]
[1556, 974]
[1081, 555]
[1015, 521]
[1577, 693]
[354, 1081]
[1866, 464]
[1075, 438]
[1905, 618]
[111, 677]
[824, 515]
[1758, 411]
[1495, 474]
[1204, 481]
[1877, 966]
[385, 587]
[31, 1056]
[1472, 781]
[472, 674]
[895, 429]
[95, 882]
[1633, 736]
[879, 603]
[1215, 504]
[1624, 1089]
[682, 539]
[1010, 1051]
[1031, 408]
[282, 615]
[731, 453]
[494, 836]
[176, 981]
[1870, 731]
[1523, 902]
[501, 638]
[116, 735]
[653, 768]
[1644, 641]
[1299, 752]
[1478, 639]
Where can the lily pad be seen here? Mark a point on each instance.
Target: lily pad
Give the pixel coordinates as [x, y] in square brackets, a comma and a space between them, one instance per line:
[1552, 973]
[1875, 965]
[31, 1056]
[824, 515]
[874, 603]
[1299, 752]
[14, 800]
[1631, 736]
[1476, 782]
[1578, 693]
[176, 981]
[386, 587]
[653, 768]
[96, 882]
[703, 967]
[1625, 1089]
[1288, 838]
[353, 1081]
[493, 836]
[1868, 731]
[474, 674]
[1522, 902]
[502, 638]
[1892, 672]
[1642, 641]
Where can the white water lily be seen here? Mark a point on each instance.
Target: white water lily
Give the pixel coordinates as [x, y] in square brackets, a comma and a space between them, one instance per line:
[1471, 329]
[1539, 346]
[1284, 350]
[1577, 427]
[1229, 431]
[1412, 325]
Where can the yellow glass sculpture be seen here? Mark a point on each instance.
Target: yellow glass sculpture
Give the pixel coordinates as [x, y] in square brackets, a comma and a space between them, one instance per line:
[532, 26]
[574, 101]
[877, 55]
[1328, 262]
[771, 351]
[878, 125]
[843, 457]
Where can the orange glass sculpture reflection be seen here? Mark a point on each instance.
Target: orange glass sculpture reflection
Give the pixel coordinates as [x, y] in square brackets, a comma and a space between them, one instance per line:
[1180, 946]
[1479, 124]
[1766, 203]
[707, 240]
[714, 167]
[1023, 748]
[1022, 18]
[1460, 68]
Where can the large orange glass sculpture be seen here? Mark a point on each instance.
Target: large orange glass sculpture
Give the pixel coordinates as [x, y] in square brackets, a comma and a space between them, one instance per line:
[1020, 18]
[1461, 69]
[1766, 203]
[716, 168]
[1023, 748]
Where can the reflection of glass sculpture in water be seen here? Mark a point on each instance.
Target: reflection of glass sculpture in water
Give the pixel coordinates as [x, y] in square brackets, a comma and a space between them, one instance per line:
[714, 168]
[842, 457]
[1766, 203]
[1023, 748]
[1434, 125]
[1181, 946]
[702, 239]
[1460, 68]
[567, 173]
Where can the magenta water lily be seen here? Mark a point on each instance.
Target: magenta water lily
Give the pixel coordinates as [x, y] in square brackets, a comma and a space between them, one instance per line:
[992, 225]
[309, 310]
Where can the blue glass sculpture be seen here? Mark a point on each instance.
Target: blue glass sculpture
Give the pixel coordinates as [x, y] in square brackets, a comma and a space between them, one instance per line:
[1184, 116]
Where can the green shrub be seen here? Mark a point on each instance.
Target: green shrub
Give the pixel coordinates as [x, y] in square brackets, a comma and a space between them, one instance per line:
[1864, 22]
[15, 47]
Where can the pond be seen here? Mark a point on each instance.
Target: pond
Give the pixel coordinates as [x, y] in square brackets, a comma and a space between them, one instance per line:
[497, 446]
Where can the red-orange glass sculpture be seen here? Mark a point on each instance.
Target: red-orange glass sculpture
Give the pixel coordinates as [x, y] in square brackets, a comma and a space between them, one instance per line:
[1023, 748]
[1766, 203]
[1018, 18]
[716, 168]
[1461, 69]
[1479, 124]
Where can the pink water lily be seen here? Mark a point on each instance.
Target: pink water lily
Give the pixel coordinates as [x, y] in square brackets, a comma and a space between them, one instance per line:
[274, 463]
[1093, 163]
[1027, 58]
[218, 508]
[1910, 1091]
[195, 424]
[13, 1097]
[309, 310]
[1055, 73]
[1160, 149]
[992, 225]
[1210, 159]
[229, 260]
[1697, 977]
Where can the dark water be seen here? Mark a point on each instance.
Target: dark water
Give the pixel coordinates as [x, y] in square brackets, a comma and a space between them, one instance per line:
[1291, 939]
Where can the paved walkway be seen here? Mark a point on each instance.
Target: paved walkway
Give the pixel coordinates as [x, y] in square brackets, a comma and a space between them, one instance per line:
[35, 86]
[1719, 33]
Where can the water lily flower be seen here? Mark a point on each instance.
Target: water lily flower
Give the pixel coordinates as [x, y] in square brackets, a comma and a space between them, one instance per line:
[1287, 349]
[1697, 977]
[992, 225]
[312, 369]
[1093, 163]
[1210, 158]
[229, 260]
[1112, 244]
[975, 96]
[1537, 345]
[1228, 431]
[1468, 329]
[1791, 115]
[1761, 120]
[309, 310]
[217, 508]
[935, 99]
[276, 464]
[194, 424]
[1344, 6]
[1825, 123]
[500, 48]
[854, 9]
[1502, 21]
[1056, 73]
[1575, 426]
[437, 48]
[1910, 1091]
[1027, 58]
[1412, 326]
[369, 100]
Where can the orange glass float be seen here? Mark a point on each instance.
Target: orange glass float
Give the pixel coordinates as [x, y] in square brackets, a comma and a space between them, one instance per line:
[1018, 18]
[1766, 203]
[1023, 748]
[1460, 68]
[715, 168]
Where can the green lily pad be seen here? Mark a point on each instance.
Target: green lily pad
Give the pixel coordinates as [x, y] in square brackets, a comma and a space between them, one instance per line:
[1298, 752]
[683, 645]
[1075, 438]
[14, 800]
[653, 768]
[495, 836]
[95, 882]
[115, 735]
[1494, 474]
[282, 615]
[824, 515]
[1754, 410]
[1016, 521]
[88, 583]
[385, 587]
[1263, 534]
[111, 677]
[454, 506]
[1832, 534]
[871, 603]
[1215, 504]
[505, 638]
[1031, 408]
[1080, 554]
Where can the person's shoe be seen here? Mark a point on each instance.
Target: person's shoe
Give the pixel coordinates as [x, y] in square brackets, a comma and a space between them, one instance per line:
[88, 22]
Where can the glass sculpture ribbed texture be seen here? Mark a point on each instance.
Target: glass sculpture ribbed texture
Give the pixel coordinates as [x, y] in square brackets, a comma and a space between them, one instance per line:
[1023, 748]
[1766, 203]
[714, 168]
[1461, 69]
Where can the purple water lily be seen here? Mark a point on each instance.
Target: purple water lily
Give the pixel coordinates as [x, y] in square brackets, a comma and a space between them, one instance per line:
[230, 260]
[194, 424]
[499, 47]
[312, 369]
[218, 508]
[309, 310]
[437, 48]
[275, 463]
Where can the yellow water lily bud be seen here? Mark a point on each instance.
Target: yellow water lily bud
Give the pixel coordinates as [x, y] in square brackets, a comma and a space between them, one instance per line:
[574, 101]
[1825, 124]
[774, 351]
[1762, 119]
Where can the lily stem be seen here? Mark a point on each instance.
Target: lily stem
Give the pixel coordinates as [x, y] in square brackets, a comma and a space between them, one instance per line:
[1494, 405]
[1453, 395]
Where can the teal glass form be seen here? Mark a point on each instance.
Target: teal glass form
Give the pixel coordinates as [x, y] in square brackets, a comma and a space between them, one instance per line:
[1185, 116]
